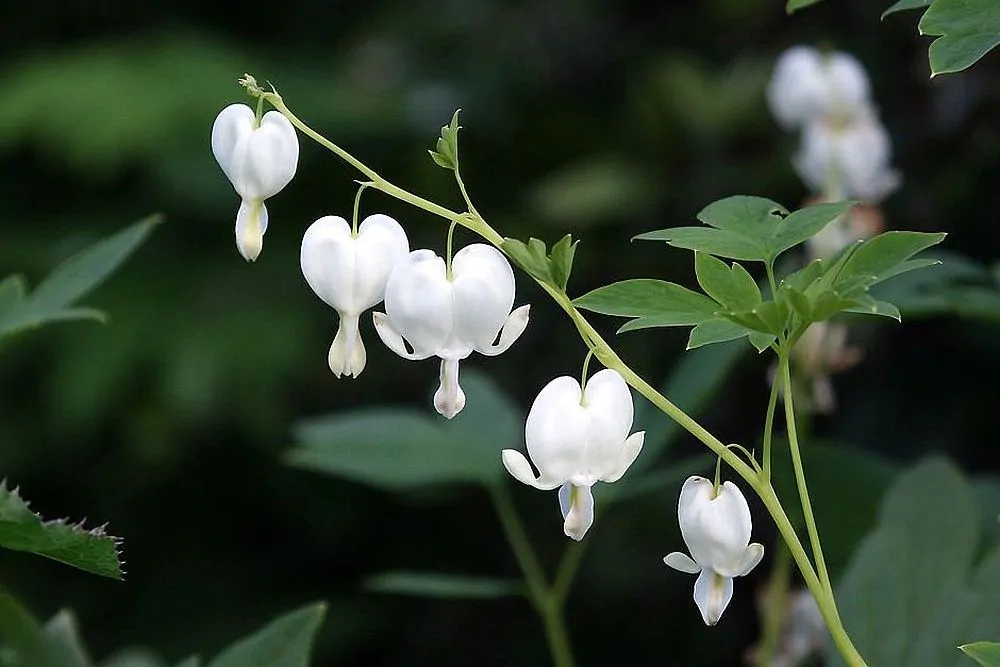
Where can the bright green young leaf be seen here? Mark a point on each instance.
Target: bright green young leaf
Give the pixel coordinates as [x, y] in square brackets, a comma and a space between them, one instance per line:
[533, 257]
[434, 585]
[32, 644]
[91, 550]
[732, 287]
[51, 300]
[399, 449]
[794, 5]
[986, 654]
[655, 303]
[903, 5]
[285, 642]
[715, 331]
[966, 30]
[561, 261]
[911, 593]
[445, 153]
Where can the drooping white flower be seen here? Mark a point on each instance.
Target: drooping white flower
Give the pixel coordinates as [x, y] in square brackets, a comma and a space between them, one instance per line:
[259, 160]
[716, 529]
[807, 84]
[577, 437]
[451, 316]
[350, 273]
[847, 160]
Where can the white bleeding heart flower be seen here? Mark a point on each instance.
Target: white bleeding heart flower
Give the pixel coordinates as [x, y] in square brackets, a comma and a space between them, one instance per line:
[576, 437]
[847, 160]
[716, 528]
[259, 159]
[451, 316]
[349, 272]
[807, 84]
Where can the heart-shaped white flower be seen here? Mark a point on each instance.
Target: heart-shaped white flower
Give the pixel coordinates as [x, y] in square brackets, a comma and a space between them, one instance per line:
[576, 437]
[259, 160]
[350, 273]
[716, 528]
[451, 316]
[808, 85]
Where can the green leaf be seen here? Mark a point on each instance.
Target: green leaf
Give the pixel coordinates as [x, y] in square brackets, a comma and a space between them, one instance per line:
[794, 5]
[63, 631]
[134, 657]
[399, 449]
[966, 31]
[907, 598]
[655, 303]
[34, 645]
[434, 585]
[22, 530]
[192, 661]
[751, 216]
[655, 481]
[797, 227]
[732, 287]
[715, 331]
[884, 256]
[903, 5]
[445, 153]
[720, 242]
[561, 261]
[285, 642]
[68, 282]
[986, 654]
[866, 305]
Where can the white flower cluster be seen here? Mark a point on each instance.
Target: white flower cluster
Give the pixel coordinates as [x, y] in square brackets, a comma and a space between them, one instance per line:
[576, 435]
[845, 151]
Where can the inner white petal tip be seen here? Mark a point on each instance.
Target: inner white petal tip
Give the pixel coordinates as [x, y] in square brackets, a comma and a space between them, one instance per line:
[577, 506]
[347, 353]
[449, 399]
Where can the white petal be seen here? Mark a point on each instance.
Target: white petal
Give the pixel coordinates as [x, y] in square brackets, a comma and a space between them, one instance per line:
[327, 259]
[381, 244]
[577, 506]
[847, 82]
[449, 399]
[517, 465]
[681, 562]
[392, 339]
[251, 223]
[418, 302]
[712, 593]
[797, 88]
[752, 556]
[230, 132]
[629, 451]
[272, 155]
[608, 404]
[512, 329]
[555, 431]
[716, 529]
[347, 354]
[483, 294]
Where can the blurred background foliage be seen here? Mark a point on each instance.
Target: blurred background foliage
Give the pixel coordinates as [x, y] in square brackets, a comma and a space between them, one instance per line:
[600, 119]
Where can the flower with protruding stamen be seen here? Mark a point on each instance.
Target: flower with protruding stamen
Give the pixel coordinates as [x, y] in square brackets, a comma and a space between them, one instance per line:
[451, 316]
[259, 158]
[716, 526]
[349, 272]
[576, 437]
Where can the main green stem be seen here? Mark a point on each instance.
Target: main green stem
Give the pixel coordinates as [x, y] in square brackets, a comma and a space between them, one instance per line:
[607, 356]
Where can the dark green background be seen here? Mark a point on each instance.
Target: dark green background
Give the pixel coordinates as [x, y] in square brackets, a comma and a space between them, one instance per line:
[597, 118]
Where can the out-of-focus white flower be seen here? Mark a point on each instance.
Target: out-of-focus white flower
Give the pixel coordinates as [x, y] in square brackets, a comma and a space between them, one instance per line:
[807, 85]
[847, 160]
[451, 316]
[576, 437]
[716, 528]
[349, 272]
[860, 222]
[821, 352]
[259, 159]
[803, 631]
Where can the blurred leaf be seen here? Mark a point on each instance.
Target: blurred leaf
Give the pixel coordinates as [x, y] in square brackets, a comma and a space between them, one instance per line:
[22, 530]
[285, 642]
[655, 303]
[63, 630]
[656, 481]
[909, 595]
[902, 5]
[34, 645]
[598, 190]
[193, 661]
[692, 384]
[986, 654]
[433, 585]
[399, 449]
[134, 657]
[795, 5]
[72, 279]
[966, 30]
